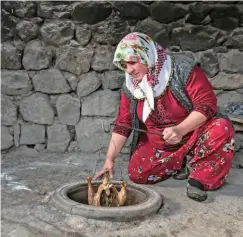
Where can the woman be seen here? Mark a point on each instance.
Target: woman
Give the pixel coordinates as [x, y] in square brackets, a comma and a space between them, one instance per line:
[170, 96]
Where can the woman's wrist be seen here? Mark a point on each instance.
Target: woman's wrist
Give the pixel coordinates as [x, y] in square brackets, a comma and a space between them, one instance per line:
[110, 158]
[182, 130]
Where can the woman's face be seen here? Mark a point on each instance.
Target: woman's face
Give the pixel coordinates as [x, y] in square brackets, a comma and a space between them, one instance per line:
[136, 70]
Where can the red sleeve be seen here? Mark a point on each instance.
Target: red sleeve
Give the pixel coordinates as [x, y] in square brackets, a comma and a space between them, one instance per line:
[124, 117]
[201, 93]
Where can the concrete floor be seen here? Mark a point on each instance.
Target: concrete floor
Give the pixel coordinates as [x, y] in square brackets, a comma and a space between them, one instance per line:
[29, 179]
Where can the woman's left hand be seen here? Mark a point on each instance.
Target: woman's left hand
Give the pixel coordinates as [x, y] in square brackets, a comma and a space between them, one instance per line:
[172, 135]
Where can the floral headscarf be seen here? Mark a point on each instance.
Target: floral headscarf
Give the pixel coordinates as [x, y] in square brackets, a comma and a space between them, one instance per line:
[140, 48]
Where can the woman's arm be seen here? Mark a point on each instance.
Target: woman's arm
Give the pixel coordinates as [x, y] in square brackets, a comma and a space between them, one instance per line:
[193, 121]
[116, 144]
[204, 102]
[118, 138]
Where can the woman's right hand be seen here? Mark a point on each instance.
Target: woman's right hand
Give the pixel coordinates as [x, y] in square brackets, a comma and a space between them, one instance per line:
[108, 167]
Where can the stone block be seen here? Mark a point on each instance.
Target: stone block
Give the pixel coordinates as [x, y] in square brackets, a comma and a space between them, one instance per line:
[101, 103]
[50, 81]
[6, 138]
[15, 82]
[88, 83]
[36, 108]
[8, 111]
[37, 55]
[10, 57]
[32, 134]
[58, 138]
[68, 109]
[90, 134]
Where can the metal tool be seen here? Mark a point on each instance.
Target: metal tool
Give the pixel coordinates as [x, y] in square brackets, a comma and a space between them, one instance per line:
[135, 129]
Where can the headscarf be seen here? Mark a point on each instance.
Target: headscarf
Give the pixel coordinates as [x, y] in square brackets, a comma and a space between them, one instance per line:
[140, 48]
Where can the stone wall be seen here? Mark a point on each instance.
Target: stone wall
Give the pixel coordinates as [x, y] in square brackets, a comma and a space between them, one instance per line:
[58, 81]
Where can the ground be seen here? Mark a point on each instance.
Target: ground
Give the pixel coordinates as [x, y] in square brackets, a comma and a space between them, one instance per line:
[29, 179]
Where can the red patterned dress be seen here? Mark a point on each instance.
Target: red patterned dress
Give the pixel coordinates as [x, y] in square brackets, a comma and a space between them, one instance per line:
[210, 146]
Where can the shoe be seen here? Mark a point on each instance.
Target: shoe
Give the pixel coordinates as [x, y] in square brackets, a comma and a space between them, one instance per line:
[196, 193]
[182, 174]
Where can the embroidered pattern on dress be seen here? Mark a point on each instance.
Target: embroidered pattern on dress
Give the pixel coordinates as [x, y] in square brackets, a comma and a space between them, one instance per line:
[208, 111]
[122, 131]
[160, 115]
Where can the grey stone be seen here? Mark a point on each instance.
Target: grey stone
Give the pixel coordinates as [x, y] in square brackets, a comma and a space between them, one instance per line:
[22, 9]
[157, 31]
[83, 34]
[44, 10]
[235, 109]
[91, 12]
[228, 97]
[32, 134]
[73, 146]
[227, 81]
[37, 20]
[238, 127]
[37, 55]
[72, 79]
[50, 81]
[225, 16]
[6, 138]
[240, 8]
[240, 90]
[231, 61]
[217, 92]
[237, 159]
[238, 141]
[207, 20]
[40, 147]
[209, 62]
[197, 38]
[74, 60]
[178, 23]
[101, 103]
[62, 11]
[74, 43]
[57, 32]
[8, 111]
[53, 101]
[10, 57]
[58, 138]
[103, 58]
[24, 151]
[36, 108]
[54, 10]
[220, 49]
[88, 83]
[184, 53]
[90, 134]
[27, 30]
[110, 32]
[197, 12]
[19, 231]
[68, 109]
[15, 82]
[235, 40]
[166, 12]
[57, 9]
[19, 44]
[133, 10]
[113, 80]
[17, 133]
[8, 26]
